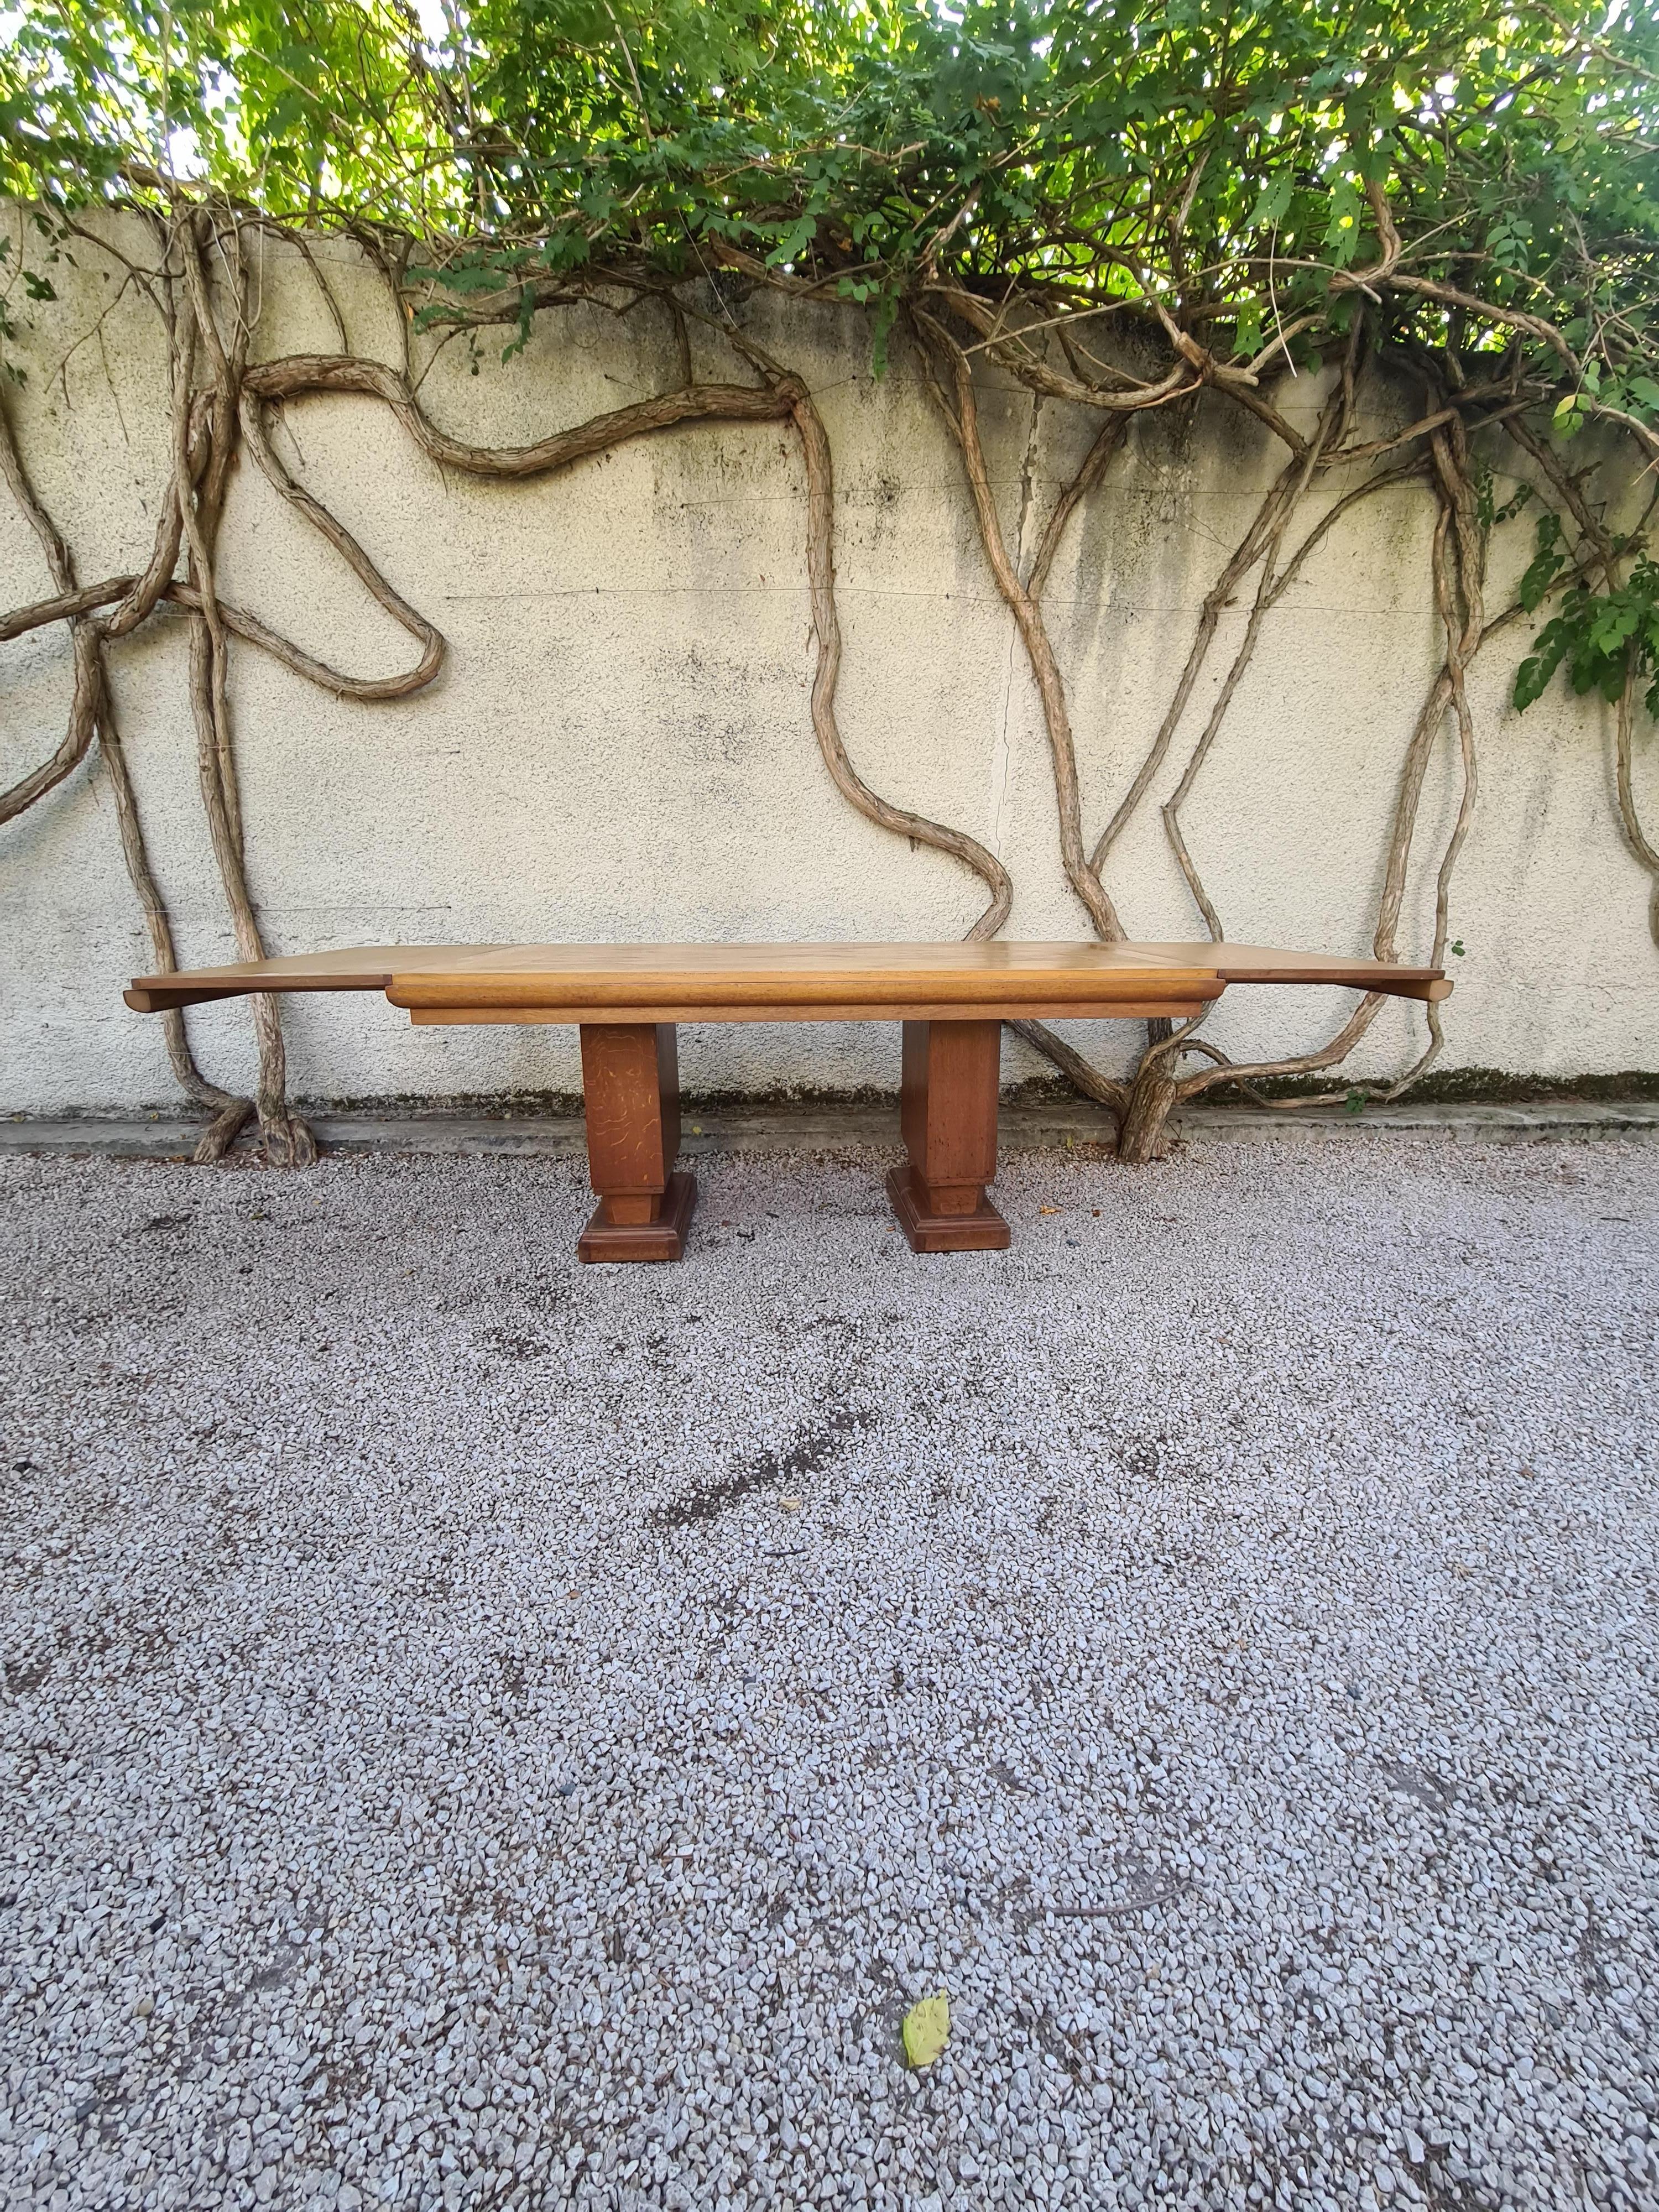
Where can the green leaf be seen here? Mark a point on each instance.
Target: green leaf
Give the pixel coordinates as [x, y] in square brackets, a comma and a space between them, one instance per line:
[1571, 413]
[1532, 676]
[1342, 230]
[1273, 202]
[1546, 565]
[926, 2030]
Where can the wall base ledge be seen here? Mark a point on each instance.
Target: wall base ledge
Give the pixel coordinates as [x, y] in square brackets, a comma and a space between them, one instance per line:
[1024, 1127]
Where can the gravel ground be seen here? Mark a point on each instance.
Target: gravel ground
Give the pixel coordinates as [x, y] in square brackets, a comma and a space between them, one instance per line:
[485, 1732]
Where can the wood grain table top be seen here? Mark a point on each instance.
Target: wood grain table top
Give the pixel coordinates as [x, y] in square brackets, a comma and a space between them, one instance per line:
[783, 983]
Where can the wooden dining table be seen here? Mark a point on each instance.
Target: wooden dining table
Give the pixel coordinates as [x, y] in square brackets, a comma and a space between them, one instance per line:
[628, 1000]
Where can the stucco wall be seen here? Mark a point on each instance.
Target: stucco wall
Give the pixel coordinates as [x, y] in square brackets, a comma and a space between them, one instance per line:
[619, 745]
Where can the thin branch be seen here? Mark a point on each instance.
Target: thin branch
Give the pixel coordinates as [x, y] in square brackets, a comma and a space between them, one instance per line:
[960, 414]
[821, 575]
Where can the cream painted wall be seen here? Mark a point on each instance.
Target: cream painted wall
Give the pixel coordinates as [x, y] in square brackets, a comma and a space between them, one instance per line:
[619, 746]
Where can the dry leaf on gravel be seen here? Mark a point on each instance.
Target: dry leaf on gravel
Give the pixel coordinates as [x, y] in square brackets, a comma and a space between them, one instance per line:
[926, 2026]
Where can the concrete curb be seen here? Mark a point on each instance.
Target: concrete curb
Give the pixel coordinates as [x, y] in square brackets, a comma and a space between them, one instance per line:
[823, 1128]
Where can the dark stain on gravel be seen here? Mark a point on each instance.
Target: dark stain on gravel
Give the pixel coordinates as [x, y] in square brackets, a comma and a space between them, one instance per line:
[812, 1450]
[1428, 1790]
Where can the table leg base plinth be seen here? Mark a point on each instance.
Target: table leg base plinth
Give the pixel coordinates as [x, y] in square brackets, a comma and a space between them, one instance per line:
[661, 1239]
[984, 1230]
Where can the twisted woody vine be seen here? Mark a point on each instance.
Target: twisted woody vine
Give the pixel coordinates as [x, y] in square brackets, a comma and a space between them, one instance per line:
[1444, 213]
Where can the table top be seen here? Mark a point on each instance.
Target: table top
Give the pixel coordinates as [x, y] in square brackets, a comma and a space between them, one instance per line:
[768, 981]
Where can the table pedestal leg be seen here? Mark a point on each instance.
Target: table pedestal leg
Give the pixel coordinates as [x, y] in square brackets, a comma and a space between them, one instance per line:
[948, 1112]
[631, 1098]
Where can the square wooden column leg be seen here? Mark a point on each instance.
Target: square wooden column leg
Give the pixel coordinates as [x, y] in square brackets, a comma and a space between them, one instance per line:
[948, 1112]
[631, 1097]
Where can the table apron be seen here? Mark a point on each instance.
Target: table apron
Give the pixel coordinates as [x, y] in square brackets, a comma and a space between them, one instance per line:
[1118, 1010]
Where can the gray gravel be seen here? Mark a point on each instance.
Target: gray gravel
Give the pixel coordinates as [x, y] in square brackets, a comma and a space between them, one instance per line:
[481, 1731]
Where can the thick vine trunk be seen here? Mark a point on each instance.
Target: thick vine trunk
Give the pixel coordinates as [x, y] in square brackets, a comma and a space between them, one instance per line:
[1143, 1132]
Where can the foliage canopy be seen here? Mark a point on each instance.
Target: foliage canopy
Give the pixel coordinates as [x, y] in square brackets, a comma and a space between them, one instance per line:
[1224, 159]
